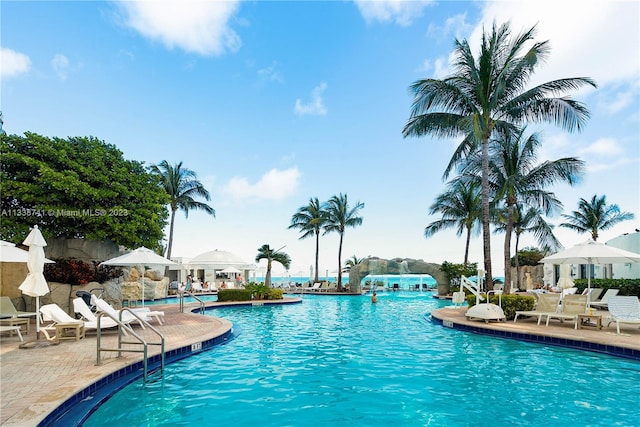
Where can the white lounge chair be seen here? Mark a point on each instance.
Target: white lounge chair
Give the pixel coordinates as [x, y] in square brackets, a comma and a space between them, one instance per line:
[127, 316]
[9, 316]
[59, 318]
[572, 306]
[547, 304]
[81, 308]
[602, 303]
[624, 309]
[316, 287]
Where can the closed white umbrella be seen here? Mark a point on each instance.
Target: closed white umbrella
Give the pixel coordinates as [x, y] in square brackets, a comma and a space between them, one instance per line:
[589, 253]
[35, 284]
[565, 281]
[141, 256]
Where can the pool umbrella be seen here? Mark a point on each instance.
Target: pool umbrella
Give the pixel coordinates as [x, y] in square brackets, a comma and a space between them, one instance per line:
[589, 253]
[9, 252]
[35, 284]
[141, 256]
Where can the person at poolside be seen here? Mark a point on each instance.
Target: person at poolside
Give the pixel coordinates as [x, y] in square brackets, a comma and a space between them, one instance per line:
[374, 298]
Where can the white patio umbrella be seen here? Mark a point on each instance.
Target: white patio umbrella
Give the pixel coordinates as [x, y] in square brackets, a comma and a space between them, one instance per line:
[9, 252]
[141, 256]
[589, 253]
[35, 284]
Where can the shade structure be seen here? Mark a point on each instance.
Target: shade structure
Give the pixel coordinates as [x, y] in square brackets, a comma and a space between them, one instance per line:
[35, 284]
[231, 270]
[589, 253]
[9, 252]
[141, 256]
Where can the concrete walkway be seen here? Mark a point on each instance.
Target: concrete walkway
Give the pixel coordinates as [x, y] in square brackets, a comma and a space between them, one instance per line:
[34, 382]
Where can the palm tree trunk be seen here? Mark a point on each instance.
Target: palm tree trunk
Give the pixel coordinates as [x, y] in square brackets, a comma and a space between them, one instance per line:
[517, 261]
[486, 231]
[170, 243]
[466, 247]
[267, 277]
[340, 263]
[507, 249]
[317, 254]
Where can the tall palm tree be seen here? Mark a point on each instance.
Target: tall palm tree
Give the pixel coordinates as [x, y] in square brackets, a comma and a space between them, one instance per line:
[265, 252]
[515, 175]
[460, 207]
[183, 187]
[594, 215]
[309, 220]
[488, 96]
[529, 221]
[340, 216]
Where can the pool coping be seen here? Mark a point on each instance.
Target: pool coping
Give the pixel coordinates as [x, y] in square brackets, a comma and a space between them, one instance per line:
[561, 336]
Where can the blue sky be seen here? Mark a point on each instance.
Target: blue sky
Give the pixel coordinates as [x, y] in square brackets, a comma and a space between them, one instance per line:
[272, 103]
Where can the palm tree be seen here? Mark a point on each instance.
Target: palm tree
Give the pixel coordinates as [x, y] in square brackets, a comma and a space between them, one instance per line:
[516, 176]
[340, 216]
[310, 219]
[530, 221]
[351, 262]
[183, 187]
[460, 207]
[488, 96]
[594, 215]
[265, 252]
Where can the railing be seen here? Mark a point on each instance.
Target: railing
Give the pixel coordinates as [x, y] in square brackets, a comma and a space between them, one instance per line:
[181, 295]
[126, 329]
[471, 286]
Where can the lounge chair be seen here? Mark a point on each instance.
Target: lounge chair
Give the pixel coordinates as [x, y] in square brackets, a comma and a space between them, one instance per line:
[594, 294]
[316, 287]
[624, 309]
[80, 307]
[59, 320]
[547, 304]
[9, 316]
[602, 303]
[139, 315]
[196, 287]
[11, 330]
[572, 306]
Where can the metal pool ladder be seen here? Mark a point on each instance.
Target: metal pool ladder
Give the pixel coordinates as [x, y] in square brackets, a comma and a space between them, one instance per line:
[181, 297]
[126, 330]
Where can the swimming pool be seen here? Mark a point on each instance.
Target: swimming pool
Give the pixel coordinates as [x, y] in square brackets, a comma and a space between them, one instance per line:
[344, 361]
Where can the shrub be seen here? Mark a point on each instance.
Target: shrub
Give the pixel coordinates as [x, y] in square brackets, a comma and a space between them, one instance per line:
[510, 303]
[626, 286]
[234, 295]
[77, 272]
[274, 294]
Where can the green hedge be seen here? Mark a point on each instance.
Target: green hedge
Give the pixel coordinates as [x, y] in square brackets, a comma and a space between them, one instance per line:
[510, 303]
[626, 286]
[248, 294]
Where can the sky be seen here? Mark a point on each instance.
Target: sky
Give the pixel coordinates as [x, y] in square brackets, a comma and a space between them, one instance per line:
[272, 103]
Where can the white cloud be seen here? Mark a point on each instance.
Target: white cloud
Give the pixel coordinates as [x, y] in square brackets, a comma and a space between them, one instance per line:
[270, 73]
[456, 25]
[315, 106]
[274, 185]
[13, 63]
[603, 147]
[200, 27]
[60, 65]
[401, 12]
[595, 39]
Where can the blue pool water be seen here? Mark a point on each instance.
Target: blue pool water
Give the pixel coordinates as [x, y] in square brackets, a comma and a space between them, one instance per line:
[342, 361]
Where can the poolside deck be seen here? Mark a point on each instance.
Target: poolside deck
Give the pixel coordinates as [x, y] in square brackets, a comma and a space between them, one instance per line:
[35, 382]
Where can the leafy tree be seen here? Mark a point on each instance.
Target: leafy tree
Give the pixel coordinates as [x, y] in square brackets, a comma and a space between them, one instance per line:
[454, 271]
[460, 207]
[516, 175]
[594, 215]
[529, 256]
[309, 220]
[78, 187]
[488, 96]
[265, 252]
[183, 187]
[340, 216]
